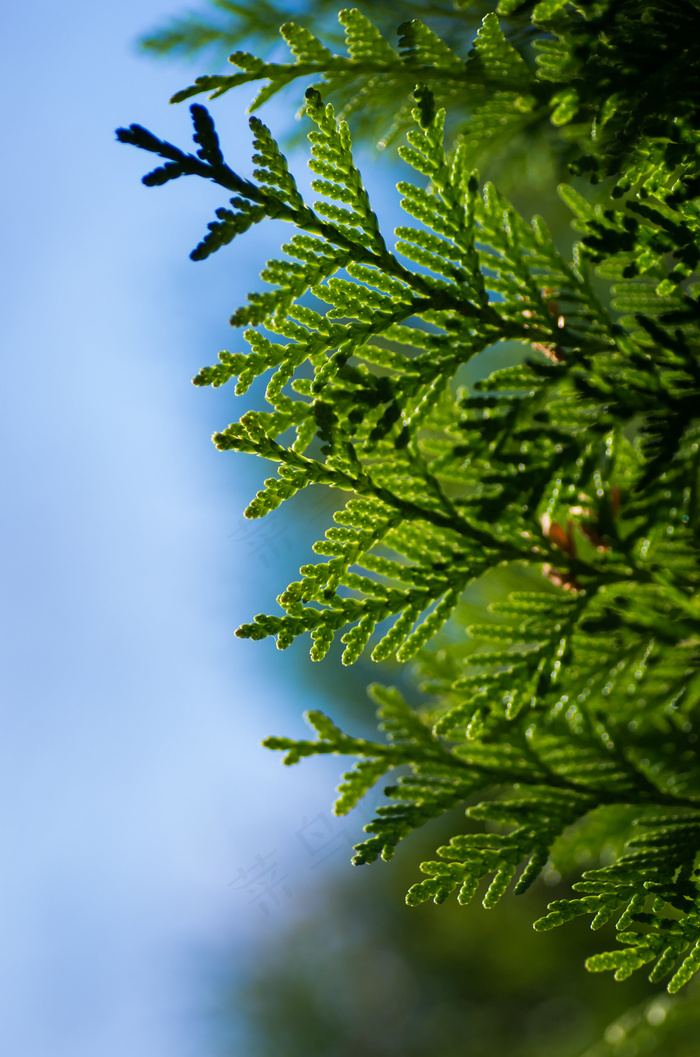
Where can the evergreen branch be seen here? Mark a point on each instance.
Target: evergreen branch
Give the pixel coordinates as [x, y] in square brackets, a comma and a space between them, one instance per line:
[576, 470]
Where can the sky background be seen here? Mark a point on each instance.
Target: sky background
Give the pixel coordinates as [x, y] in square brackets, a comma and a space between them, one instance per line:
[137, 806]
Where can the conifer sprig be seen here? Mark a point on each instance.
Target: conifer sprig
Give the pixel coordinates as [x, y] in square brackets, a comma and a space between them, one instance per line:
[576, 470]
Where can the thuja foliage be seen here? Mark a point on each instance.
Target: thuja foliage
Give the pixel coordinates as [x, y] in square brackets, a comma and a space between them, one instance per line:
[566, 719]
[225, 24]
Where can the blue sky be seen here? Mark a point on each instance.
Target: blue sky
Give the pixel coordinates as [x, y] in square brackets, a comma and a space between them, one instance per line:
[134, 788]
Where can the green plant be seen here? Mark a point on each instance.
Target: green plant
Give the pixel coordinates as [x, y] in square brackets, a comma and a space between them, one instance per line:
[565, 719]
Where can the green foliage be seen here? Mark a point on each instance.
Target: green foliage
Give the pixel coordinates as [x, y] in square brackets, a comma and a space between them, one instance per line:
[596, 68]
[577, 467]
[225, 25]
